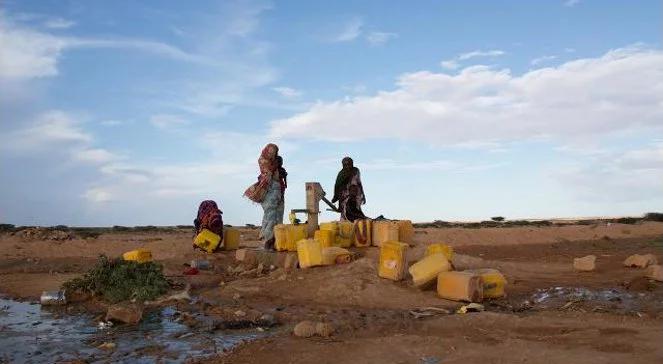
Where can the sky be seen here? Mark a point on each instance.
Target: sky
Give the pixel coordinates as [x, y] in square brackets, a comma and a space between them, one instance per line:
[132, 112]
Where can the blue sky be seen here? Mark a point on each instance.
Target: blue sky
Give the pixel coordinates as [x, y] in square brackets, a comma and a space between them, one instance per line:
[130, 113]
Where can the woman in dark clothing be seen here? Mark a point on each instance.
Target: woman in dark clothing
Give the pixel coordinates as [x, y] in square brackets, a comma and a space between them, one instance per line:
[349, 192]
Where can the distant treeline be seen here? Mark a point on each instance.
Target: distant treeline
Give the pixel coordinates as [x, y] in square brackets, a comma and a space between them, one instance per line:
[500, 221]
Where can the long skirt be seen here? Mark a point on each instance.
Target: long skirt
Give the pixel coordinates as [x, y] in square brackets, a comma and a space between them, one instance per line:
[273, 210]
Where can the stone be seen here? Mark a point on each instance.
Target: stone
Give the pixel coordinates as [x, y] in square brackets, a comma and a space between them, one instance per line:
[240, 313]
[640, 261]
[655, 272]
[128, 314]
[267, 320]
[324, 329]
[304, 329]
[585, 264]
[107, 346]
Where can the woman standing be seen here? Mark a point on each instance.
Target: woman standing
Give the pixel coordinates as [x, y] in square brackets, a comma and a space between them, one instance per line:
[269, 192]
[349, 192]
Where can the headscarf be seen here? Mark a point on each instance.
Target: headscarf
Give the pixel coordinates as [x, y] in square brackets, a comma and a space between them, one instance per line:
[268, 166]
[344, 177]
[209, 217]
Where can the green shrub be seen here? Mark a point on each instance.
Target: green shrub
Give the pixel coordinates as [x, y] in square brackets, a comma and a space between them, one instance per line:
[116, 280]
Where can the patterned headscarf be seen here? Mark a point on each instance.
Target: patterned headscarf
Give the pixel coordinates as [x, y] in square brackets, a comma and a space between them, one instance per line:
[267, 163]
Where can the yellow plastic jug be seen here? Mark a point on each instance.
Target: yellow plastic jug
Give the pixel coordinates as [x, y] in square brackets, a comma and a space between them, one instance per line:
[393, 260]
[230, 239]
[286, 236]
[325, 237]
[334, 255]
[384, 230]
[405, 231]
[460, 286]
[138, 255]
[309, 253]
[426, 270]
[207, 240]
[493, 282]
[440, 248]
[346, 234]
[363, 233]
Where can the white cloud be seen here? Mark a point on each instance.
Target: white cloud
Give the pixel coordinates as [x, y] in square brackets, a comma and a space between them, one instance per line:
[98, 195]
[454, 63]
[542, 59]
[167, 121]
[474, 54]
[246, 17]
[379, 38]
[59, 23]
[350, 31]
[450, 64]
[50, 128]
[616, 176]
[94, 156]
[617, 91]
[287, 92]
[28, 53]
[571, 3]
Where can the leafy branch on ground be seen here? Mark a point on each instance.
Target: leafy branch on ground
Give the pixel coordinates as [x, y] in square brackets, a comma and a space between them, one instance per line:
[116, 280]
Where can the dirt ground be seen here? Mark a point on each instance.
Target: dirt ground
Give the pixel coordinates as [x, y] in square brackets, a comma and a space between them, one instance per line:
[551, 314]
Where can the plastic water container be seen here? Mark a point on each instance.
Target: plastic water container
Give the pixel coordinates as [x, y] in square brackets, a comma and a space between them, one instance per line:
[460, 286]
[207, 240]
[287, 235]
[138, 255]
[405, 231]
[425, 271]
[363, 230]
[393, 260]
[334, 254]
[230, 239]
[326, 238]
[440, 248]
[493, 282]
[309, 253]
[384, 230]
[346, 234]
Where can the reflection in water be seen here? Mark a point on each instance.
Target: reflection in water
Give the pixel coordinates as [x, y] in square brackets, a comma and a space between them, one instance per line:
[31, 334]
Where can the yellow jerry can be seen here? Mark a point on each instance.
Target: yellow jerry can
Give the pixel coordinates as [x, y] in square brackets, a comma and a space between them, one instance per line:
[286, 236]
[440, 248]
[460, 286]
[363, 230]
[393, 260]
[138, 255]
[493, 282]
[346, 234]
[335, 255]
[326, 238]
[405, 231]
[384, 230]
[230, 239]
[426, 270]
[309, 253]
[207, 240]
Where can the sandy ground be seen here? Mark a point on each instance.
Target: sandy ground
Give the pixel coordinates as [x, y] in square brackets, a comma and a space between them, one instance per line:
[371, 315]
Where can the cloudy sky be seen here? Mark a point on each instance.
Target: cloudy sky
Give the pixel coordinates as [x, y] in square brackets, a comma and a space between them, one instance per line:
[131, 112]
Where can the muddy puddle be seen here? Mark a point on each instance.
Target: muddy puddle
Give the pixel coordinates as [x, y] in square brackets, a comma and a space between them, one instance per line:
[32, 334]
[616, 300]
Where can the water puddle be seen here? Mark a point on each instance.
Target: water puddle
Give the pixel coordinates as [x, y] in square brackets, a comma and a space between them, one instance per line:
[32, 334]
[613, 299]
